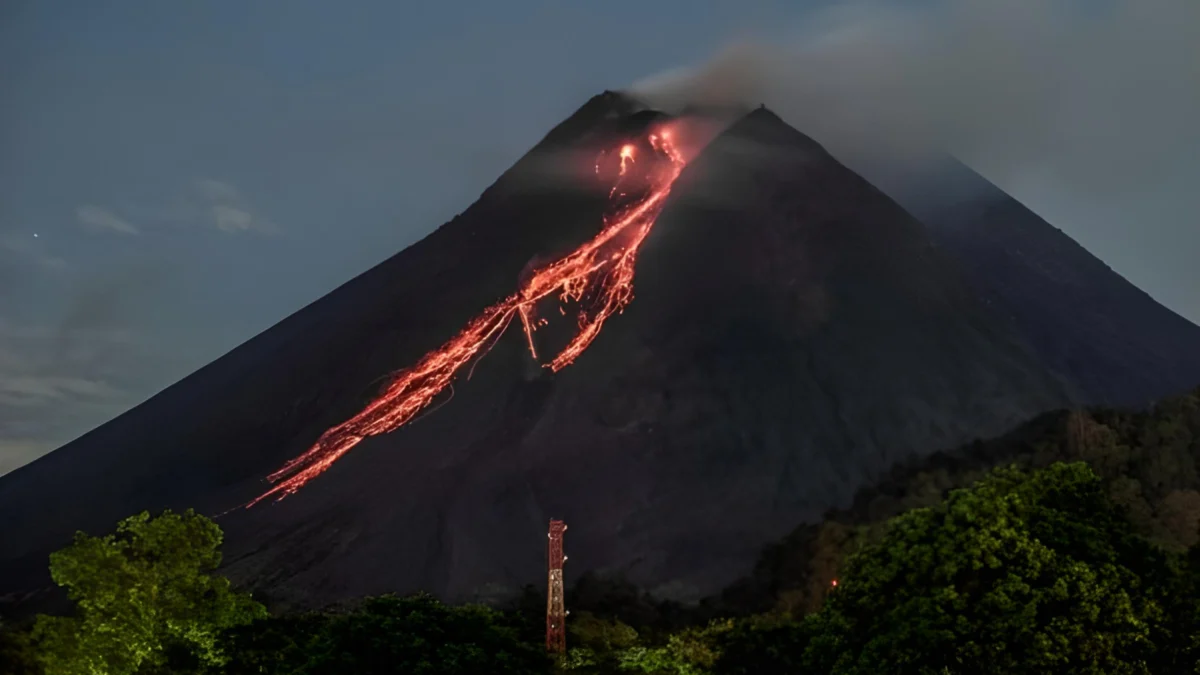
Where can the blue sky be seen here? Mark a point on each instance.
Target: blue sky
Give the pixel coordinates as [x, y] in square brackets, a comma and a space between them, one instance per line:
[175, 177]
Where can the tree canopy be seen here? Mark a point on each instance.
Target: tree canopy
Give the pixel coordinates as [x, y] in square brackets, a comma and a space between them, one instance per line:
[145, 596]
[387, 635]
[1030, 573]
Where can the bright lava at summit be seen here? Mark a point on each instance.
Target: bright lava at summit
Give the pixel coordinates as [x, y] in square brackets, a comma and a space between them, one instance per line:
[598, 276]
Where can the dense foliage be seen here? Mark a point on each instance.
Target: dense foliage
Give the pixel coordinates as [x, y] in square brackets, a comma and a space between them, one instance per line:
[1035, 573]
[145, 598]
[17, 653]
[386, 636]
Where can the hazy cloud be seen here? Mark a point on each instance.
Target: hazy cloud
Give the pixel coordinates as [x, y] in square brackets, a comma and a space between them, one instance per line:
[217, 191]
[227, 210]
[75, 368]
[27, 390]
[71, 365]
[56, 381]
[29, 249]
[98, 219]
[1100, 97]
[201, 203]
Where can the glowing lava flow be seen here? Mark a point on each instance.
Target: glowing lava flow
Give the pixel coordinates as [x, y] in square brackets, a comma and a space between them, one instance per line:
[598, 273]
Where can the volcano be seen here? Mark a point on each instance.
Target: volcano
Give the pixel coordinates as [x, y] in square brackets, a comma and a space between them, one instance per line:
[683, 343]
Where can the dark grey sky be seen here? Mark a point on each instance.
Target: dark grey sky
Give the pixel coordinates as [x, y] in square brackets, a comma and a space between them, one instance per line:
[175, 177]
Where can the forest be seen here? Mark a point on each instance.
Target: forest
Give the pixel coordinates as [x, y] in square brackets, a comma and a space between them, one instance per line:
[1070, 545]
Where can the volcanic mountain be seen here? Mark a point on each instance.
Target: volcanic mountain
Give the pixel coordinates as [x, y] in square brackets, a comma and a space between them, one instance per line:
[795, 333]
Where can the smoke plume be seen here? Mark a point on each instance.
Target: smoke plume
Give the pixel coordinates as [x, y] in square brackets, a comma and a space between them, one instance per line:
[1091, 96]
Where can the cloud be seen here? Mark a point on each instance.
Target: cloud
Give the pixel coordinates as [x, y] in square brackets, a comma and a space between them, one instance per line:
[1100, 98]
[226, 209]
[57, 382]
[29, 249]
[231, 219]
[62, 376]
[99, 219]
[31, 390]
[216, 191]
[204, 202]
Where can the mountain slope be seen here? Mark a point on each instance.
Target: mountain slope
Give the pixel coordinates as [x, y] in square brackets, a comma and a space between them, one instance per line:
[1114, 343]
[795, 334]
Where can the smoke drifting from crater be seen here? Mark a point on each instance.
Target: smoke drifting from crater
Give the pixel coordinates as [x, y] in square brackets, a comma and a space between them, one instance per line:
[1103, 97]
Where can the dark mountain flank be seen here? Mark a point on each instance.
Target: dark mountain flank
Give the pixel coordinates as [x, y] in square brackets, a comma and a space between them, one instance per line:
[1111, 341]
[795, 335]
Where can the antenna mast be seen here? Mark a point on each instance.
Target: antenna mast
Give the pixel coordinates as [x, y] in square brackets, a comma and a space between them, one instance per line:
[556, 613]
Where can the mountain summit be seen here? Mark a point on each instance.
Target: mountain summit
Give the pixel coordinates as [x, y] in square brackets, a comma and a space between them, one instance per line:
[792, 334]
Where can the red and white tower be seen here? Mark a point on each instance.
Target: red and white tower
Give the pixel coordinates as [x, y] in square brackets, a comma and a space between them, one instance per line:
[556, 613]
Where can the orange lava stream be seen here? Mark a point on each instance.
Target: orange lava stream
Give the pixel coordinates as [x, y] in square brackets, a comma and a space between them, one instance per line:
[599, 272]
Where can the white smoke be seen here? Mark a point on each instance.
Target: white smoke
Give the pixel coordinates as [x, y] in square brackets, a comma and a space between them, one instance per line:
[1102, 96]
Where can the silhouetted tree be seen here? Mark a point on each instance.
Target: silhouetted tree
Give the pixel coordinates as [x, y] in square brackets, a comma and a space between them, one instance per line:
[17, 654]
[387, 636]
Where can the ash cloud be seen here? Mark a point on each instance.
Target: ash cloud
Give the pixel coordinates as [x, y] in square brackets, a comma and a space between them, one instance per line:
[1100, 98]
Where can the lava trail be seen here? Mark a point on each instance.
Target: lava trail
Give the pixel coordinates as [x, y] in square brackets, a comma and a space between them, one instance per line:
[597, 276]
